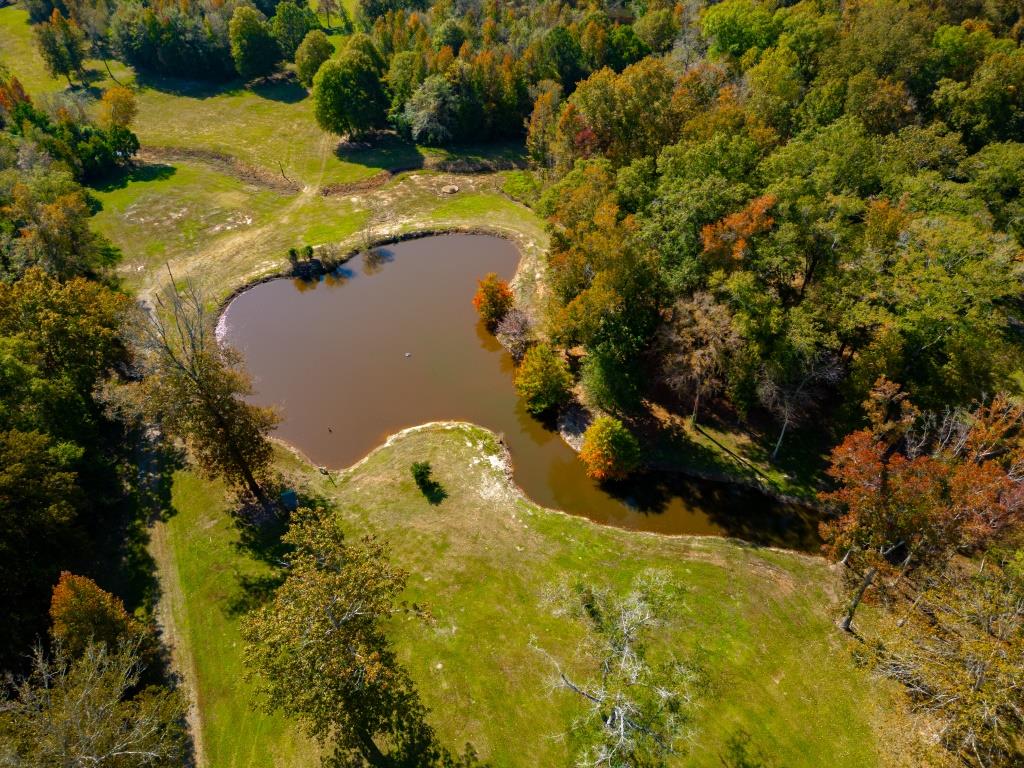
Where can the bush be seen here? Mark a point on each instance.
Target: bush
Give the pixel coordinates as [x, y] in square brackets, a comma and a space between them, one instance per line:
[609, 450]
[493, 299]
[522, 186]
[543, 379]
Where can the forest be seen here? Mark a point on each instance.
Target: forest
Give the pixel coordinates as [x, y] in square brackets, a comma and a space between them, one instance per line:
[787, 234]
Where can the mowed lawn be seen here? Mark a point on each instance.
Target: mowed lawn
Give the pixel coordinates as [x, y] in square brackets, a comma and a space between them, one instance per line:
[759, 623]
[268, 125]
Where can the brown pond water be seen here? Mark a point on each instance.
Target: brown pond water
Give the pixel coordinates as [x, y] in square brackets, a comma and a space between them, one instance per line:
[380, 346]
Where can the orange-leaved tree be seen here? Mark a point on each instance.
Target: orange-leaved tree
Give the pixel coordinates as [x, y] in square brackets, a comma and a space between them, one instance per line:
[83, 613]
[609, 450]
[493, 299]
[730, 237]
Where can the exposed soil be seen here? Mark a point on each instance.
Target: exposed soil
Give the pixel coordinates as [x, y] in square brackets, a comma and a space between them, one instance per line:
[226, 164]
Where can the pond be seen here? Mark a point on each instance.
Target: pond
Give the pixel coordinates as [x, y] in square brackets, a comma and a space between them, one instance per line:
[393, 341]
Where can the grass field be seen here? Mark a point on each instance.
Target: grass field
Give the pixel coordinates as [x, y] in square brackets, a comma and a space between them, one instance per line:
[269, 125]
[780, 678]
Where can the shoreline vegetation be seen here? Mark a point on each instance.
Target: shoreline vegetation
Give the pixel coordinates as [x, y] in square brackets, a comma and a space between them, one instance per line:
[322, 262]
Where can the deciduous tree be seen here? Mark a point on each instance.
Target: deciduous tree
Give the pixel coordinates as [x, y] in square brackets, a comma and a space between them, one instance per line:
[696, 345]
[348, 95]
[81, 614]
[609, 450]
[915, 488]
[543, 379]
[959, 651]
[321, 655]
[493, 299]
[314, 50]
[118, 107]
[253, 47]
[637, 703]
[87, 710]
[61, 43]
[196, 389]
[290, 25]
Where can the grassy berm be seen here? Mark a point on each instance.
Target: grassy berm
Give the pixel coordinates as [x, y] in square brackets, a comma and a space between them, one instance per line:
[782, 688]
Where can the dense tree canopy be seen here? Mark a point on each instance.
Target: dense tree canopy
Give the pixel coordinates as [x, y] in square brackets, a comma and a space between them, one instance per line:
[348, 94]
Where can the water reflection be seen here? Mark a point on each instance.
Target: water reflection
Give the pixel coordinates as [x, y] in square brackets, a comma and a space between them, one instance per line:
[391, 340]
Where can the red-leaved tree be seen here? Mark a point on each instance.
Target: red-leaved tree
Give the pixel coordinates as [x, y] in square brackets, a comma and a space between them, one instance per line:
[914, 488]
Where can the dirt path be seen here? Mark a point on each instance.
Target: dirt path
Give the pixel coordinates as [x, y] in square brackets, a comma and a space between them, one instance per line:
[172, 602]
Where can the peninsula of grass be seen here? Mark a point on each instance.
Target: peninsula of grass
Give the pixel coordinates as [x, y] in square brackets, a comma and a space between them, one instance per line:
[780, 679]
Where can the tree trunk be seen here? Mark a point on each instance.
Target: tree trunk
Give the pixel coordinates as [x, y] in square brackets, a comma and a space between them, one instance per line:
[328, 10]
[847, 623]
[370, 751]
[254, 487]
[696, 405]
[778, 443]
[243, 466]
[106, 64]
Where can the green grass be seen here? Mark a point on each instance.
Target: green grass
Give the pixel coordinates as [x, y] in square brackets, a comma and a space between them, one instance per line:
[269, 126]
[760, 620]
[482, 559]
[227, 232]
[210, 569]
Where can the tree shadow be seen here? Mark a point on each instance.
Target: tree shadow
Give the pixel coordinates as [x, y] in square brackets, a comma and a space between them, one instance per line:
[193, 89]
[738, 753]
[254, 592]
[138, 172]
[386, 151]
[287, 91]
[429, 487]
[260, 537]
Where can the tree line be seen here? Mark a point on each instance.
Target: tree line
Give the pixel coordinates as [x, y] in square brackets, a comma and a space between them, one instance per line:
[85, 373]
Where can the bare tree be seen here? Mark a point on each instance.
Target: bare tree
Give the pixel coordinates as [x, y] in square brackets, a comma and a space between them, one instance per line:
[696, 345]
[88, 711]
[792, 392]
[197, 388]
[514, 333]
[636, 711]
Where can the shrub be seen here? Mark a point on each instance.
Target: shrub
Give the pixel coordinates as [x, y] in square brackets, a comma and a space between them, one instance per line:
[543, 379]
[609, 450]
[493, 299]
[522, 186]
